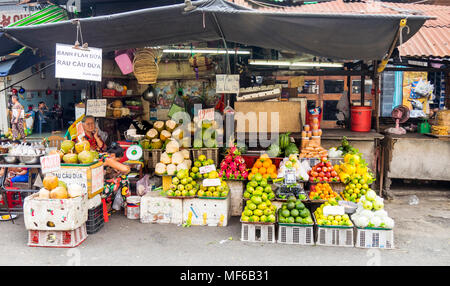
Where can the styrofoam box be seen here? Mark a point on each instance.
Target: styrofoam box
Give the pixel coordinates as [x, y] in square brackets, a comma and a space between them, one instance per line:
[209, 212]
[95, 201]
[303, 235]
[236, 192]
[252, 232]
[57, 238]
[331, 236]
[375, 238]
[158, 209]
[55, 214]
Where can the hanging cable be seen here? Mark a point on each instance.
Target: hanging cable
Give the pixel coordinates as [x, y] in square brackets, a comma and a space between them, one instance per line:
[225, 44]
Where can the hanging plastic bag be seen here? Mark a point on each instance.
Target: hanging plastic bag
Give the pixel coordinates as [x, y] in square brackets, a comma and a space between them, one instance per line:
[118, 201]
[143, 186]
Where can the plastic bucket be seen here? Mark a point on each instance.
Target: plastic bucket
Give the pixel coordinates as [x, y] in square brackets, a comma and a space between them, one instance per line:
[133, 207]
[361, 118]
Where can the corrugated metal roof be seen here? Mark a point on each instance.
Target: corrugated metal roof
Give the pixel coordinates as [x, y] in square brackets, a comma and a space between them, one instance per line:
[432, 40]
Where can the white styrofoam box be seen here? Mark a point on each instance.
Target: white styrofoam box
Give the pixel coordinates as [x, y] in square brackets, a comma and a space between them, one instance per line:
[57, 238]
[158, 209]
[95, 201]
[303, 235]
[333, 236]
[209, 212]
[374, 238]
[55, 214]
[236, 192]
[252, 232]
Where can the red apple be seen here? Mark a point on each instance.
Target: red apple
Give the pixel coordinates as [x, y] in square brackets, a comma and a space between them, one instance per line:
[321, 174]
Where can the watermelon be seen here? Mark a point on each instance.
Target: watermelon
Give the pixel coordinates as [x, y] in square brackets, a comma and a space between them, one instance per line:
[284, 140]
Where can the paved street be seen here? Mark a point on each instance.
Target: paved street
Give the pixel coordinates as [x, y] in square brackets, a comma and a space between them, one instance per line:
[422, 237]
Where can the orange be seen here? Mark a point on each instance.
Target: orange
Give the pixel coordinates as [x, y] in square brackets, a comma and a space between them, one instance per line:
[258, 164]
[268, 160]
[262, 170]
[264, 156]
[266, 176]
[272, 169]
[266, 164]
[254, 170]
[273, 175]
[250, 176]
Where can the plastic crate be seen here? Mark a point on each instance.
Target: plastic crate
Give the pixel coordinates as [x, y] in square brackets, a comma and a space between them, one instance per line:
[374, 238]
[253, 232]
[210, 153]
[334, 235]
[303, 235]
[211, 212]
[95, 220]
[57, 239]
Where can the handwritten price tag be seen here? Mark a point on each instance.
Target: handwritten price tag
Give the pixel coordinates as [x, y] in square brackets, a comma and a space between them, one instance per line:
[206, 114]
[51, 163]
[211, 182]
[207, 169]
[333, 210]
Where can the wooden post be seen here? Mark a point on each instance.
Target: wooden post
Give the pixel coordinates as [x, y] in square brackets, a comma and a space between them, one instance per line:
[376, 86]
[349, 97]
[363, 88]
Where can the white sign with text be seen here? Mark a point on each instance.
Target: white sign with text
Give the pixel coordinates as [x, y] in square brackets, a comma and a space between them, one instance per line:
[227, 83]
[207, 169]
[333, 210]
[96, 107]
[211, 182]
[78, 63]
[51, 163]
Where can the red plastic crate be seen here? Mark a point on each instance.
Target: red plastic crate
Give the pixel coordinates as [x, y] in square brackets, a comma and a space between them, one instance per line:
[112, 93]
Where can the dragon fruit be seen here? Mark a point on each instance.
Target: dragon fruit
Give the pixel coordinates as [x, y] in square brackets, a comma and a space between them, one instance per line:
[228, 159]
[242, 168]
[233, 166]
[237, 174]
[223, 165]
[220, 173]
[245, 174]
[228, 173]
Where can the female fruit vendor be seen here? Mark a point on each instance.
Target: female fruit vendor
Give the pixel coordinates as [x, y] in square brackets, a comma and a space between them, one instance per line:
[91, 134]
[116, 178]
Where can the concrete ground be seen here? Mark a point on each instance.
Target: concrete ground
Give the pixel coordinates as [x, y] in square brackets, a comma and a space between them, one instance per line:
[422, 237]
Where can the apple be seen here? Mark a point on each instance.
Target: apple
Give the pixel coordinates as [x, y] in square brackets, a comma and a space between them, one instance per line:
[321, 174]
[318, 169]
[324, 169]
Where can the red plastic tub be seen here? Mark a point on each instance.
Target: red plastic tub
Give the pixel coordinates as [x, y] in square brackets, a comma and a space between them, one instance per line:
[361, 118]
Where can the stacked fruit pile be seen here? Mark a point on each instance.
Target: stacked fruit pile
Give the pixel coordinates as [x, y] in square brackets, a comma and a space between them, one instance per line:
[294, 211]
[337, 220]
[355, 174]
[56, 189]
[323, 172]
[259, 187]
[158, 137]
[201, 162]
[371, 213]
[74, 153]
[283, 146]
[209, 134]
[220, 191]
[183, 185]
[233, 165]
[322, 192]
[173, 160]
[264, 167]
[258, 209]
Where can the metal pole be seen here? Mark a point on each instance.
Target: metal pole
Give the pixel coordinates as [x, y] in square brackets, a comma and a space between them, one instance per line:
[363, 88]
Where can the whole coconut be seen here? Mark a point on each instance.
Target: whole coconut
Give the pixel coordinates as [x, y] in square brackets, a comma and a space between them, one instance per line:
[67, 146]
[86, 157]
[82, 146]
[70, 158]
[50, 182]
[59, 193]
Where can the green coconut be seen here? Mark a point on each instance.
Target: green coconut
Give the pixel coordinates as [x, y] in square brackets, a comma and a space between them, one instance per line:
[70, 158]
[67, 146]
[171, 125]
[159, 126]
[152, 133]
[156, 144]
[95, 154]
[165, 135]
[86, 157]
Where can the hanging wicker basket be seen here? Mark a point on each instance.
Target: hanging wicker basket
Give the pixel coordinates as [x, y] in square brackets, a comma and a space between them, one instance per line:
[145, 65]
